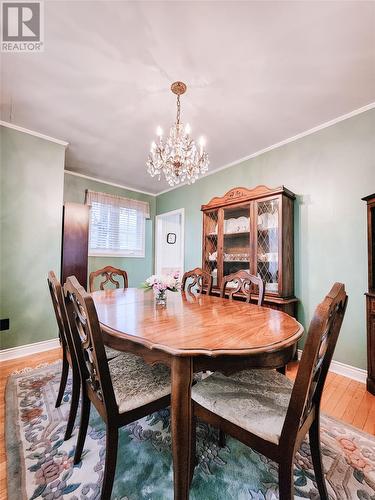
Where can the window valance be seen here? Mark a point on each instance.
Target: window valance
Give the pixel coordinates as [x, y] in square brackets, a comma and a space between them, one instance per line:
[119, 201]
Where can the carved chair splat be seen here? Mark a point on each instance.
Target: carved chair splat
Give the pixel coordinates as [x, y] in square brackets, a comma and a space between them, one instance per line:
[200, 280]
[244, 282]
[109, 273]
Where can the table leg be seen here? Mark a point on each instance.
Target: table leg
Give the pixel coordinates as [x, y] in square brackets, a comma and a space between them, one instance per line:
[182, 374]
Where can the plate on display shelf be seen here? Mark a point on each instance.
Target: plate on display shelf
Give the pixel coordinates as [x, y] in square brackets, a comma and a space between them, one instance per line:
[267, 221]
[243, 223]
[229, 225]
[272, 287]
[268, 257]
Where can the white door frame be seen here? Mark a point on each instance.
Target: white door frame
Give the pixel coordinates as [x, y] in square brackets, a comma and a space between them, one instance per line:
[157, 222]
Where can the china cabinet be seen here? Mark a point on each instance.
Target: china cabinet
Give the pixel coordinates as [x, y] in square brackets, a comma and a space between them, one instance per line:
[252, 229]
[370, 295]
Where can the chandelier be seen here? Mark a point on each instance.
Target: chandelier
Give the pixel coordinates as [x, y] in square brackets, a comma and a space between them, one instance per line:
[177, 156]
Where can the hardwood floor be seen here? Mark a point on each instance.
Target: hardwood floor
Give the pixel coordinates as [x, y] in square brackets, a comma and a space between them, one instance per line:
[343, 398]
[346, 400]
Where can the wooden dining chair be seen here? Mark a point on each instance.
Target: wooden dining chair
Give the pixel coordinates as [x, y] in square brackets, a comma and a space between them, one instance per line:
[264, 410]
[200, 280]
[68, 354]
[122, 390]
[243, 282]
[108, 273]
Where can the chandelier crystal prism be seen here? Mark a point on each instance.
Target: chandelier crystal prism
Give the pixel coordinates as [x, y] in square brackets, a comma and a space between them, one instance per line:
[177, 156]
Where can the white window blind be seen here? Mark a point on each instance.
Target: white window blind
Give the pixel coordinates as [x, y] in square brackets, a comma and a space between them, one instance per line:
[117, 225]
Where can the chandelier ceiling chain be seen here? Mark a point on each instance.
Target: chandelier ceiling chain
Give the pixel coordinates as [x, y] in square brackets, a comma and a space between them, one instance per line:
[178, 109]
[177, 156]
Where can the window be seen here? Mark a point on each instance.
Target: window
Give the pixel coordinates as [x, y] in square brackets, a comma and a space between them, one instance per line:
[117, 225]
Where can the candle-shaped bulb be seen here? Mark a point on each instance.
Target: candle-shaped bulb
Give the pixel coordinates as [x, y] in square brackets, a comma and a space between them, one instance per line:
[187, 129]
[202, 143]
[159, 131]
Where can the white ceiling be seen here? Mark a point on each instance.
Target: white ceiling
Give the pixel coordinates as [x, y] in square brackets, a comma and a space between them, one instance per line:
[257, 73]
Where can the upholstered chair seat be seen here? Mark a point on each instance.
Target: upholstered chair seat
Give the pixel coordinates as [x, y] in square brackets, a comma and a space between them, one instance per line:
[255, 400]
[136, 383]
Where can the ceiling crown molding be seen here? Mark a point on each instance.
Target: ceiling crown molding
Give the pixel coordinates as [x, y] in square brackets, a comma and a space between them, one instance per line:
[35, 134]
[102, 181]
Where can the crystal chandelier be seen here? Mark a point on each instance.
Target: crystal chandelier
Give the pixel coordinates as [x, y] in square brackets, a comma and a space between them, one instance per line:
[177, 156]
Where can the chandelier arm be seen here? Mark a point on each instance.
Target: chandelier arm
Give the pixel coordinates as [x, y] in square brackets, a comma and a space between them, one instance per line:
[160, 153]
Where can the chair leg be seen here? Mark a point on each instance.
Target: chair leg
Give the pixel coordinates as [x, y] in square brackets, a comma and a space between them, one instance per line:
[316, 455]
[282, 370]
[64, 377]
[222, 439]
[110, 461]
[193, 459]
[286, 486]
[73, 405]
[85, 415]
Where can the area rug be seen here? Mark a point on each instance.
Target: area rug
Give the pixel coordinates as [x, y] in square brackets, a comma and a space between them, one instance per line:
[40, 461]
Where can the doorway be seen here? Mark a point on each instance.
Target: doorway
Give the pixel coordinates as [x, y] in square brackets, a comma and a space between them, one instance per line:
[169, 242]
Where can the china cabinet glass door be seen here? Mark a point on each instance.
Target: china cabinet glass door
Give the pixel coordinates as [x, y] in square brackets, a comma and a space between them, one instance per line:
[267, 248]
[211, 244]
[236, 239]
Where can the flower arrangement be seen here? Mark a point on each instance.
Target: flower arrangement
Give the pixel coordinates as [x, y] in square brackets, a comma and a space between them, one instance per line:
[160, 284]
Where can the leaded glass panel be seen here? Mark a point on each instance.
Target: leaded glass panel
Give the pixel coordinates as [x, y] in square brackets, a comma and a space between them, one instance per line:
[211, 245]
[268, 244]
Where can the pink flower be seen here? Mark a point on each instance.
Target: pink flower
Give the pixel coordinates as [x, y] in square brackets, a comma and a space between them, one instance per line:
[161, 283]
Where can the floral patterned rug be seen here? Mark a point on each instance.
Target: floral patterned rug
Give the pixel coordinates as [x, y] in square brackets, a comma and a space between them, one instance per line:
[40, 461]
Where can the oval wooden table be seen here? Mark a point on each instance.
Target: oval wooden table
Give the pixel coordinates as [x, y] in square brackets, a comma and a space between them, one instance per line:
[194, 333]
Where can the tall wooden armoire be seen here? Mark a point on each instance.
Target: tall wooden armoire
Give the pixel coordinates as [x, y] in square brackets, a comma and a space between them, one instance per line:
[370, 295]
[75, 240]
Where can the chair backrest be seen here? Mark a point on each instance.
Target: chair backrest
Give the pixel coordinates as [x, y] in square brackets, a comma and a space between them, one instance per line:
[316, 359]
[57, 297]
[87, 335]
[243, 282]
[199, 280]
[108, 273]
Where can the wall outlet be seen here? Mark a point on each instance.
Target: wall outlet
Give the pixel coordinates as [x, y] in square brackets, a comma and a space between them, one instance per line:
[4, 324]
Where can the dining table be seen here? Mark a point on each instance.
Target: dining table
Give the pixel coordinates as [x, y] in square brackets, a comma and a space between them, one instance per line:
[194, 333]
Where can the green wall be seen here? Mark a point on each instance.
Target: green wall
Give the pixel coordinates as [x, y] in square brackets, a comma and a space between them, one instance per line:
[32, 171]
[330, 171]
[138, 269]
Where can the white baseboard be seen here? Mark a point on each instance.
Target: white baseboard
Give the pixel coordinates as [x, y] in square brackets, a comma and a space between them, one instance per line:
[349, 371]
[26, 350]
